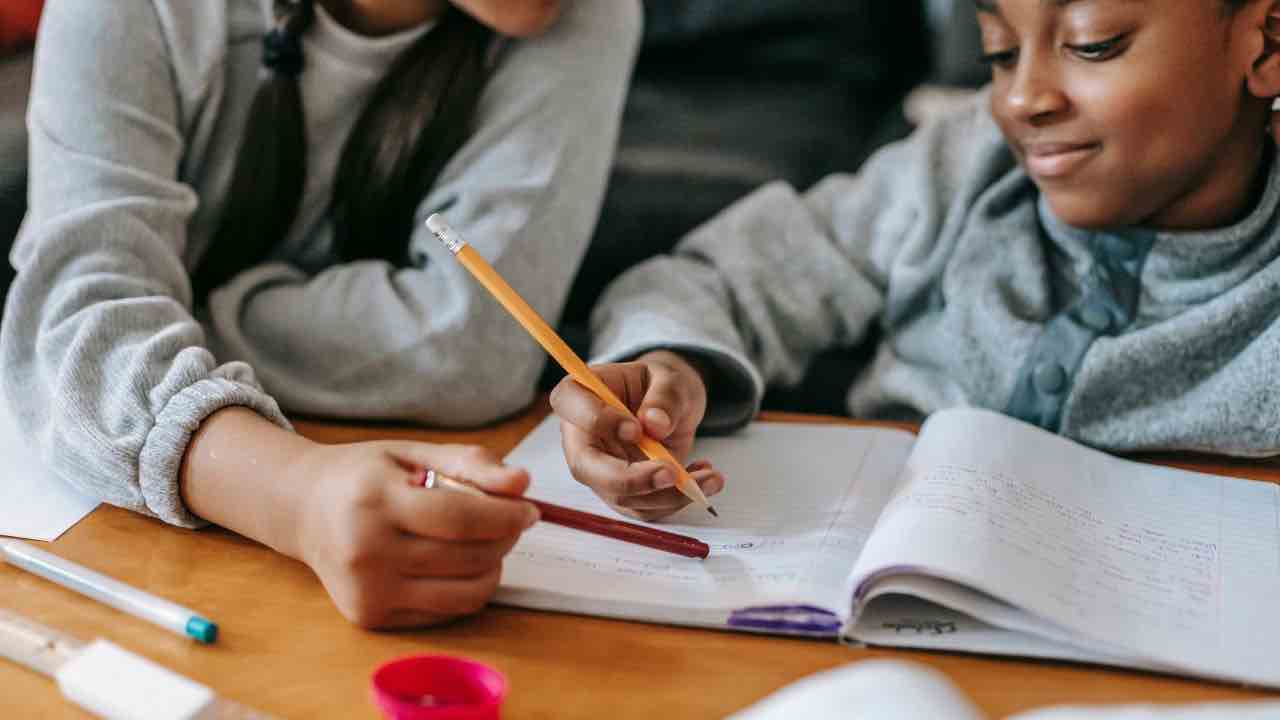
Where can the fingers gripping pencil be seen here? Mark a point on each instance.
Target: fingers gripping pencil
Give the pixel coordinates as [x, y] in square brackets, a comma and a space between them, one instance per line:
[587, 522]
[556, 347]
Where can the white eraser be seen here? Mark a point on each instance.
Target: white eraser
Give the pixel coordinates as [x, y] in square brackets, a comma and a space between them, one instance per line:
[436, 224]
[113, 683]
[445, 233]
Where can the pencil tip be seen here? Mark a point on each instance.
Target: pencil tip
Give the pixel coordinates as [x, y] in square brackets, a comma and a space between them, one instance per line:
[713, 511]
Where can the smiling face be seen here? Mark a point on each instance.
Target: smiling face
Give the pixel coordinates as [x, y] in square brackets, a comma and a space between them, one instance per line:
[1130, 112]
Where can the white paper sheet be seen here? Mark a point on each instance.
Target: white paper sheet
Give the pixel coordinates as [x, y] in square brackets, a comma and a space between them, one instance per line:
[33, 504]
[868, 690]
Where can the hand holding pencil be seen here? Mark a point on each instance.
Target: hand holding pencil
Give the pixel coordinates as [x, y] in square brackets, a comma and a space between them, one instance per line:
[588, 522]
[643, 489]
[669, 401]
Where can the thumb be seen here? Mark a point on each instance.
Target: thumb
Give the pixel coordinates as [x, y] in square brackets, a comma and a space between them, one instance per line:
[467, 463]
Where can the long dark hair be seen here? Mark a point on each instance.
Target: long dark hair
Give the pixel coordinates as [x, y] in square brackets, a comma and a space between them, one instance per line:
[418, 116]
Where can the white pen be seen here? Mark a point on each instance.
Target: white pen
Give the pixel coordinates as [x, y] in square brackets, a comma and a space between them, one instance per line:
[126, 598]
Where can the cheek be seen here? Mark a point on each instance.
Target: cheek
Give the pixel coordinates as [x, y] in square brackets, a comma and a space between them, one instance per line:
[1154, 131]
[1174, 106]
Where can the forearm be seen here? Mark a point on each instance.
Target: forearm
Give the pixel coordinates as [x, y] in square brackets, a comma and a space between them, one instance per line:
[240, 471]
[431, 348]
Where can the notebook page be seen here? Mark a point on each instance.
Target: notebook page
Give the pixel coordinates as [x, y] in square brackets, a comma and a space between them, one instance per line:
[1178, 567]
[799, 502]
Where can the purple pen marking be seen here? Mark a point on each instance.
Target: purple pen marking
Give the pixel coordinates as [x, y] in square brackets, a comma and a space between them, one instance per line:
[805, 619]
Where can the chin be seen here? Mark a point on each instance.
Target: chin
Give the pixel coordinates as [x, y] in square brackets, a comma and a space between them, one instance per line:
[1090, 210]
[528, 18]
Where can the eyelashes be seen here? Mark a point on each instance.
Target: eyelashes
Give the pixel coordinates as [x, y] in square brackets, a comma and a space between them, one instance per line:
[1100, 51]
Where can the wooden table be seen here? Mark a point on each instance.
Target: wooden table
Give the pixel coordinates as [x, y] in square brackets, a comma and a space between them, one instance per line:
[285, 649]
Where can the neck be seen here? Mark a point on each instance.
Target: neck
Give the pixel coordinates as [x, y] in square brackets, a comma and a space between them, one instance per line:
[383, 17]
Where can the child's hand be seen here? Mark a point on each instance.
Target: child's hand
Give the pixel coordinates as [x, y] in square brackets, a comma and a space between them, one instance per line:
[668, 395]
[394, 554]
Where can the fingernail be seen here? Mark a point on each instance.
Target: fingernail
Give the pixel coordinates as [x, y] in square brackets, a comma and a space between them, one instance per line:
[713, 484]
[531, 517]
[664, 478]
[658, 417]
[628, 432]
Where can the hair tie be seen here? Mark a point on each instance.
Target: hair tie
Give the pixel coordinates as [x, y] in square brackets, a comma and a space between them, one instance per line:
[282, 52]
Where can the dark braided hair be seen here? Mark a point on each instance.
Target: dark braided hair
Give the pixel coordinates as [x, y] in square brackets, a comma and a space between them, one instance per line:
[416, 119]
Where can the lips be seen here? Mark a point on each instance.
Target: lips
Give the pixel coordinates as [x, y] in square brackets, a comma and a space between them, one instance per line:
[1055, 160]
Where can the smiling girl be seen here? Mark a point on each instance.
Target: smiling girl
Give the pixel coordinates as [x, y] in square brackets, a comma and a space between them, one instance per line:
[1094, 247]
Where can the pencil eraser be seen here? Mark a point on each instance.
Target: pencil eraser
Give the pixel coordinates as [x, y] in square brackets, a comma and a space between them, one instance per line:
[113, 683]
[436, 224]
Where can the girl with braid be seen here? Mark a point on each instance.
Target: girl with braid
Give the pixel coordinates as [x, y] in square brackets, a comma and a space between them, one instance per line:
[225, 222]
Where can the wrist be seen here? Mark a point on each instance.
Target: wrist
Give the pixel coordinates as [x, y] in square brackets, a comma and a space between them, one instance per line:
[238, 472]
[291, 501]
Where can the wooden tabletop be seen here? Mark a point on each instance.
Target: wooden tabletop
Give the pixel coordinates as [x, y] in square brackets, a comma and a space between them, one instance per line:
[285, 649]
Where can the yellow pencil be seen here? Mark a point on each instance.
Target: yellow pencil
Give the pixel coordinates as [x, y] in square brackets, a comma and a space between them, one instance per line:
[551, 342]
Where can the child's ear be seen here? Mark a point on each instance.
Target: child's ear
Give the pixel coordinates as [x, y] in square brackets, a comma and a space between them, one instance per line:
[1264, 75]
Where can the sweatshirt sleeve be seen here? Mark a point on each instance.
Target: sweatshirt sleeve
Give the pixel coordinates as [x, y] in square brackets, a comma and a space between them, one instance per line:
[426, 343]
[781, 275]
[103, 364]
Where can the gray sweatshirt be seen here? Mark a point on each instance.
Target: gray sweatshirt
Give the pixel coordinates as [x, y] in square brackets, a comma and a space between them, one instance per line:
[1125, 340]
[135, 117]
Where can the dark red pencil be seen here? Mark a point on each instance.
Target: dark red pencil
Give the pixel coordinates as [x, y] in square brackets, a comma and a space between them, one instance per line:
[589, 522]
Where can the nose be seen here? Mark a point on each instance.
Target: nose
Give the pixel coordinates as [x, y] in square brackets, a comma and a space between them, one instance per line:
[1034, 95]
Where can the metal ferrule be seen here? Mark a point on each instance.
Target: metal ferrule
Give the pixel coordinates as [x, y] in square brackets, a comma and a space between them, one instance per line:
[447, 235]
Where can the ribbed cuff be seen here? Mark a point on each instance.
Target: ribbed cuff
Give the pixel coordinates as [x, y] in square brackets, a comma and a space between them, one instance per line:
[166, 444]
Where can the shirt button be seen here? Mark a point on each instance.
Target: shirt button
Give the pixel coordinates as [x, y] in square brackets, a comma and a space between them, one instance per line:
[1096, 317]
[1049, 378]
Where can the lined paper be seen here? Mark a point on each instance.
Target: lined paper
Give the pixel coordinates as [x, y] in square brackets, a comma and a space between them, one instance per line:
[799, 503]
[1175, 567]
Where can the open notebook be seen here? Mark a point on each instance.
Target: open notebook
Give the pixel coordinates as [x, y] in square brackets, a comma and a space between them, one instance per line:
[984, 534]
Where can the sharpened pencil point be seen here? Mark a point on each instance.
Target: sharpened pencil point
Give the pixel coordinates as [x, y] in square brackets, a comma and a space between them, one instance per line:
[712, 511]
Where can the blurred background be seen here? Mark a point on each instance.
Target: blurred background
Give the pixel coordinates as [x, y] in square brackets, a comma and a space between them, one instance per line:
[725, 97]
